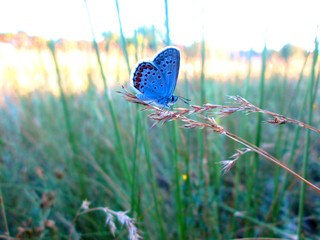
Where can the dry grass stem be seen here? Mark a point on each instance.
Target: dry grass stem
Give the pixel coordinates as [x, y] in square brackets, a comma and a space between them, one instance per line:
[228, 164]
[111, 216]
[277, 119]
[183, 114]
[218, 110]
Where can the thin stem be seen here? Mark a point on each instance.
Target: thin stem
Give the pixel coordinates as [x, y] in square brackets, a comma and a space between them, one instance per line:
[122, 156]
[308, 139]
[252, 205]
[177, 175]
[244, 105]
[154, 190]
[168, 41]
[3, 212]
[64, 103]
[266, 155]
[280, 119]
[74, 222]
[123, 40]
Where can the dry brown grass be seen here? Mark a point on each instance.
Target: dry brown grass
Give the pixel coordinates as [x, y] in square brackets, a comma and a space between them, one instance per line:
[208, 121]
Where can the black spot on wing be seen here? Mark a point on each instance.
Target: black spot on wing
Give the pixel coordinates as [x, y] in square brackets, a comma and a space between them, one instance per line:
[147, 78]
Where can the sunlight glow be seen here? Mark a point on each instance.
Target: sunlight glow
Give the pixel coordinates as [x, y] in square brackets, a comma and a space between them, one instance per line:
[230, 24]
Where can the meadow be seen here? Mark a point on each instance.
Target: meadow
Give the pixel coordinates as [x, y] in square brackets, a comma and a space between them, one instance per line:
[67, 137]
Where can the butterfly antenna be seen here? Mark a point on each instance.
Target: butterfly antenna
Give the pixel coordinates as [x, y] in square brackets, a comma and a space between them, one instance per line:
[185, 100]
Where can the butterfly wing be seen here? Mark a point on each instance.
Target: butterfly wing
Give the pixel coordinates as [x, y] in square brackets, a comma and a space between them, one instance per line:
[148, 81]
[168, 62]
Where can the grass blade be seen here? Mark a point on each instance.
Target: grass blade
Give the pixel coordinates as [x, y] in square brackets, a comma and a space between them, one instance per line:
[115, 121]
[310, 94]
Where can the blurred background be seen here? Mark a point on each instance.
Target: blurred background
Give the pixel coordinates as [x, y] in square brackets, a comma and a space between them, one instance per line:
[66, 135]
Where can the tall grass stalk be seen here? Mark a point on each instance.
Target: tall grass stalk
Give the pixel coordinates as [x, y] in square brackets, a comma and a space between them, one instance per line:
[3, 214]
[316, 85]
[248, 77]
[166, 8]
[2, 205]
[177, 176]
[64, 103]
[71, 138]
[261, 94]
[187, 188]
[151, 175]
[280, 194]
[202, 75]
[237, 191]
[297, 88]
[135, 166]
[252, 168]
[201, 134]
[175, 158]
[137, 128]
[310, 93]
[123, 40]
[280, 143]
[115, 121]
[261, 102]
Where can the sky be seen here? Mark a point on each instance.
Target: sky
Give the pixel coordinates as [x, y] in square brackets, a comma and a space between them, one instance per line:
[229, 24]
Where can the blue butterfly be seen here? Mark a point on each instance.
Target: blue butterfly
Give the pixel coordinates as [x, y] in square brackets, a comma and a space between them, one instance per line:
[155, 80]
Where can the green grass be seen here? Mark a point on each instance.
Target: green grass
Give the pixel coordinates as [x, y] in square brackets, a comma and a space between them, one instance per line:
[35, 135]
[311, 93]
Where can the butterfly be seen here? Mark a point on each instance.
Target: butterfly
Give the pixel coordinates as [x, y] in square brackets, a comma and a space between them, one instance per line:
[155, 80]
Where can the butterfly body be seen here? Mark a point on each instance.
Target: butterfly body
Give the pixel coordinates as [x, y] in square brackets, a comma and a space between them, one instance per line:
[155, 80]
